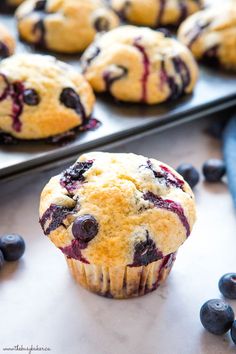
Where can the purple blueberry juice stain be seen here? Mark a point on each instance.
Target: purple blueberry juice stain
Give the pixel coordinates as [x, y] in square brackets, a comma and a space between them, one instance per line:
[94, 51]
[74, 251]
[91, 124]
[195, 32]
[166, 175]
[145, 252]
[15, 92]
[55, 215]
[73, 177]
[110, 76]
[167, 263]
[168, 205]
[181, 69]
[146, 69]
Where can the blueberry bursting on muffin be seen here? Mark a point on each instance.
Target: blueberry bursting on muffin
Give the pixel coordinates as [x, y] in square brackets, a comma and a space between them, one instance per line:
[140, 65]
[119, 219]
[155, 13]
[66, 26]
[210, 35]
[40, 106]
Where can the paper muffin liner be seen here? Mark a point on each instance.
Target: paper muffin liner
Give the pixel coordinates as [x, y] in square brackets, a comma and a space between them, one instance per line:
[121, 282]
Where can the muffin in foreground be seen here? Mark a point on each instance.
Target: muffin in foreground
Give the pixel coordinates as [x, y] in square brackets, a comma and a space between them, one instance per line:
[42, 97]
[67, 26]
[155, 13]
[211, 35]
[7, 42]
[140, 65]
[119, 219]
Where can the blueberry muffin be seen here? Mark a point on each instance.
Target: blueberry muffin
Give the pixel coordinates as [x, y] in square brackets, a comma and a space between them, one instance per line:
[155, 13]
[67, 26]
[9, 5]
[140, 65]
[41, 97]
[211, 35]
[119, 219]
[7, 43]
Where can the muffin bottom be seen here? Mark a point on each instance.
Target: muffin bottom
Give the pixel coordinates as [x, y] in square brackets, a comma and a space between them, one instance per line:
[121, 282]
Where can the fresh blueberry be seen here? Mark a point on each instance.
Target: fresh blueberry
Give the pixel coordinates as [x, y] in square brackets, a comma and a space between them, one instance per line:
[12, 247]
[31, 97]
[1, 260]
[213, 170]
[227, 285]
[101, 24]
[189, 173]
[217, 316]
[85, 228]
[233, 332]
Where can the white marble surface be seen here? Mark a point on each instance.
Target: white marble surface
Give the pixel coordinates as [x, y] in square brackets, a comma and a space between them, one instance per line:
[41, 305]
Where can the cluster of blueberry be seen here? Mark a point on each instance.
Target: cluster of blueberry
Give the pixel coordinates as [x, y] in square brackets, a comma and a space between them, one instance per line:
[213, 171]
[12, 248]
[216, 315]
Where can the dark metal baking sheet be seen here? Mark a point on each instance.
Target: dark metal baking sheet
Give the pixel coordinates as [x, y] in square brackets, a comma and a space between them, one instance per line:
[215, 91]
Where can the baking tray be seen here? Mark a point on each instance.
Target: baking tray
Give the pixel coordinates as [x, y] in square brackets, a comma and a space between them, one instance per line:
[215, 91]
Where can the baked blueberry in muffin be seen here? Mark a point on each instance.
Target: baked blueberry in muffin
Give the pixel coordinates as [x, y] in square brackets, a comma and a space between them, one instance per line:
[140, 65]
[119, 219]
[41, 97]
[155, 13]
[7, 43]
[67, 26]
[211, 35]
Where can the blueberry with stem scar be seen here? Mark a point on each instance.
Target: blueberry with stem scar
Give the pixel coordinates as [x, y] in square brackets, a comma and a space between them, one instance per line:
[85, 228]
[217, 316]
[227, 285]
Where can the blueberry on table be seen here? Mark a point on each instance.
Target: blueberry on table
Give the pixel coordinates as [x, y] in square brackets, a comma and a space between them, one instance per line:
[216, 316]
[12, 246]
[227, 285]
[233, 332]
[213, 170]
[189, 173]
[85, 228]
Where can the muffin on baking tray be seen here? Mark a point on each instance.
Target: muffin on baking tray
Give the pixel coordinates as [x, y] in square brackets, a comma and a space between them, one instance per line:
[7, 42]
[119, 219]
[9, 5]
[41, 97]
[211, 35]
[155, 13]
[138, 64]
[67, 26]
